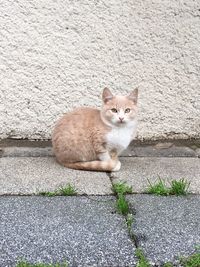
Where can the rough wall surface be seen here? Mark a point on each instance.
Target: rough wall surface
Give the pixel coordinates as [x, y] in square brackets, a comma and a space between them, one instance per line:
[56, 55]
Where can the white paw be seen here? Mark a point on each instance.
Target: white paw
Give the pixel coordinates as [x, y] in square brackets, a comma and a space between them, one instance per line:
[117, 167]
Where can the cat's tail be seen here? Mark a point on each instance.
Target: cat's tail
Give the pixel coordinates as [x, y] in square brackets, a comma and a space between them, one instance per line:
[106, 166]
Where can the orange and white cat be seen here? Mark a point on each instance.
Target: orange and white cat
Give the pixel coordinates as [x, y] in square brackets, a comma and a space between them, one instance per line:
[92, 139]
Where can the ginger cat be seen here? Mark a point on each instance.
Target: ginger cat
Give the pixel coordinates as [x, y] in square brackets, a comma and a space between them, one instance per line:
[92, 139]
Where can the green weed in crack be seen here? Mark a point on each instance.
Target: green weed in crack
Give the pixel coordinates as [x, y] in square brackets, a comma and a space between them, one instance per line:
[142, 260]
[129, 222]
[67, 190]
[176, 187]
[191, 261]
[158, 188]
[179, 187]
[122, 204]
[26, 264]
[48, 193]
[121, 188]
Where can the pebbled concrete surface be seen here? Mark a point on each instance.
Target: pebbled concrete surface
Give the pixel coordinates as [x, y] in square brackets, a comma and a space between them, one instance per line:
[136, 171]
[30, 175]
[57, 55]
[166, 227]
[83, 231]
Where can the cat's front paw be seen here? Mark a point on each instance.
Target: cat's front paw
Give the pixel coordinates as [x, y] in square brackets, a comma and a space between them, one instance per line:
[117, 167]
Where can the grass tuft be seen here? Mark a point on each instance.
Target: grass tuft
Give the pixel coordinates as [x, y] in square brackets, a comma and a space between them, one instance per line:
[121, 188]
[177, 187]
[192, 261]
[26, 264]
[122, 205]
[48, 194]
[67, 190]
[159, 188]
[129, 221]
[143, 262]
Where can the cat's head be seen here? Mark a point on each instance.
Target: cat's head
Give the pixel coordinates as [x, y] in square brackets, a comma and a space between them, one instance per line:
[119, 110]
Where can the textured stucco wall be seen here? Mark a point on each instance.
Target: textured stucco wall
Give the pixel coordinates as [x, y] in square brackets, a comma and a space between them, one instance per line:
[55, 55]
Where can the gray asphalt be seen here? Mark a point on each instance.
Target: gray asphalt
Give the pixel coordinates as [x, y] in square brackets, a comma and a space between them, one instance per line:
[166, 227]
[79, 230]
[87, 231]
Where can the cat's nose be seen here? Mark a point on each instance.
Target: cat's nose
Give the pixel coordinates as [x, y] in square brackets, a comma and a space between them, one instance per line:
[121, 119]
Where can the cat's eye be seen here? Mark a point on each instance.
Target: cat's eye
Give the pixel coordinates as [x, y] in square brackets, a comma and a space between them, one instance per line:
[114, 110]
[127, 110]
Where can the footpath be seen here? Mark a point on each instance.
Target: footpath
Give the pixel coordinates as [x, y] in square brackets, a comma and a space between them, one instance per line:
[40, 222]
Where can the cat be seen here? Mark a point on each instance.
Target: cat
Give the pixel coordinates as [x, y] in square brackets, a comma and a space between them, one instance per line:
[92, 139]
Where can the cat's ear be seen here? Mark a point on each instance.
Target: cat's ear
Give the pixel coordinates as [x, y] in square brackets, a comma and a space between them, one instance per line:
[134, 95]
[107, 95]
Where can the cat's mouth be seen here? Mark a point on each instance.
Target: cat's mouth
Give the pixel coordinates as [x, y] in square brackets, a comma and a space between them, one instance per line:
[121, 122]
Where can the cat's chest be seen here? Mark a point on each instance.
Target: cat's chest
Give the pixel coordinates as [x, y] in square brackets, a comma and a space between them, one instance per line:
[119, 138]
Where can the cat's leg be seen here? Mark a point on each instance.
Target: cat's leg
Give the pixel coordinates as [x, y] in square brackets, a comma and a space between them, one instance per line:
[117, 167]
[106, 156]
[114, 156]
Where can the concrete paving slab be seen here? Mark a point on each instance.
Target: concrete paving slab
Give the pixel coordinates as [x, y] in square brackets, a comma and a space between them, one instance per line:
[173, 148]
[159, 150]
[136, 171]
[27, 152]
[29, 175]
[166, 227]
[80, 230]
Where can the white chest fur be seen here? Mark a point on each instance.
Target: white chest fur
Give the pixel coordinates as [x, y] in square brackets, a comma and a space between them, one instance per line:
[120, 137]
